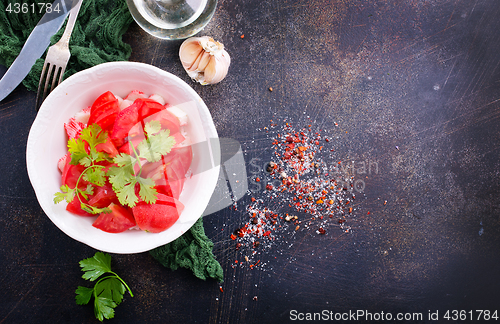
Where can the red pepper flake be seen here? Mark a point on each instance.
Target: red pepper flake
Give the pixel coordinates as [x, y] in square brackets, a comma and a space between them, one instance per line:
[257, 179]
[242, 36]
[220, 288]
[321, 230]
[269, 187]
[368, 213]
[253, 199]
[233, 237]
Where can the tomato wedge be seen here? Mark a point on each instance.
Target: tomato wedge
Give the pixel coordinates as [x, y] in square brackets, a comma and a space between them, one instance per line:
[75, 207]
[105, 115]
[119, 220]
[125, 120]
[108, 147]
[169, 121]
[104, 110]
[71, 173]
[148, 107]
[103, 196]
[102, 99]
[156, 218]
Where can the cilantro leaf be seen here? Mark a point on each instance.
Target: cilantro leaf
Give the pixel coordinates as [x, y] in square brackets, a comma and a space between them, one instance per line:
[147, 192]
[93, 135]
[152, 127]
[94, 210]
[95, 266]
[83, 295]
[126, 194]
[97, 176]
[156, 145]
[66, 193]
[77, 149]
[124, 160]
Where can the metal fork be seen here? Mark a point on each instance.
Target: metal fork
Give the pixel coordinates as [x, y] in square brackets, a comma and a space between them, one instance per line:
[57, 59]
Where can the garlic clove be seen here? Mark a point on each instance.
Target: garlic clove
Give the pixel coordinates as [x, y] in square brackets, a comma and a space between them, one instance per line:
[204, 59]
[189, 52]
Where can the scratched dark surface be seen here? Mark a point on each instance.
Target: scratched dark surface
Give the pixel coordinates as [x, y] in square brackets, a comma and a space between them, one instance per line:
[414, 86]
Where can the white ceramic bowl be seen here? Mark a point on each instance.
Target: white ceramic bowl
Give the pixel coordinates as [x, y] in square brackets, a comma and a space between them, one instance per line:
[47, 142]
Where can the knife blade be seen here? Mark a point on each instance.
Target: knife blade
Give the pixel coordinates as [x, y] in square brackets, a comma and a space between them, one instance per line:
[34, 47]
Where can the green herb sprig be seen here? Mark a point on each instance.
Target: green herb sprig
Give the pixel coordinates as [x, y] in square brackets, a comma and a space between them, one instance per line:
[123, 177]
[93, 173]
[107, 292]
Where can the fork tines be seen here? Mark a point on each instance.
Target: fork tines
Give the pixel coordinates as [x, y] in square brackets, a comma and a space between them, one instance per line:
[49, 72]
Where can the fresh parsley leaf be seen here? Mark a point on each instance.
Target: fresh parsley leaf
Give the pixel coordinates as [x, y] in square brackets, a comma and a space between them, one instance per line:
[107, 292]
[111, 288]
[83, 295]
[104, 308]
[95, 266]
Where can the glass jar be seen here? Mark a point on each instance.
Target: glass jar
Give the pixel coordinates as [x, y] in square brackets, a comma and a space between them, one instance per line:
[172, 19]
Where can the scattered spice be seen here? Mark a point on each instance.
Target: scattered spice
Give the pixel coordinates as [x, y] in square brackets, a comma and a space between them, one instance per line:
[298, 180]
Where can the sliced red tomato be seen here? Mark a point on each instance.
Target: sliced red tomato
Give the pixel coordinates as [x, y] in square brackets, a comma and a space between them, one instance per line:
[108, 147]
[102, 99]
[119, 220]
[180, 159]
[71, 173]
[125, 120]
[164, 188]
[148, 107]
[105, 115]
[156, 218]
[103, 196]
[169, 121]
[75, 207]
[169, 179]
[175, 181]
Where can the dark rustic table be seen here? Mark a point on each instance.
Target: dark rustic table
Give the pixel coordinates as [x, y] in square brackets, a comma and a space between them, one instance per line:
[412, 87]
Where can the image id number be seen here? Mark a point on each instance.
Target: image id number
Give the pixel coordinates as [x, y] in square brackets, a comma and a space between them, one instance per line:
[32, 8]
[477, 315]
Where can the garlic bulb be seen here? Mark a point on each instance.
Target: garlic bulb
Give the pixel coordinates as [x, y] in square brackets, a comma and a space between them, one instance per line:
[204, 59]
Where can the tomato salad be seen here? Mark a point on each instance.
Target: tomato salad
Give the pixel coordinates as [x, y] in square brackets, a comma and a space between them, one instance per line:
[127, 162]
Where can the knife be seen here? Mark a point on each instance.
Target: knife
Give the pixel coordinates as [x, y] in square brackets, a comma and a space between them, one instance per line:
[35, 46]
